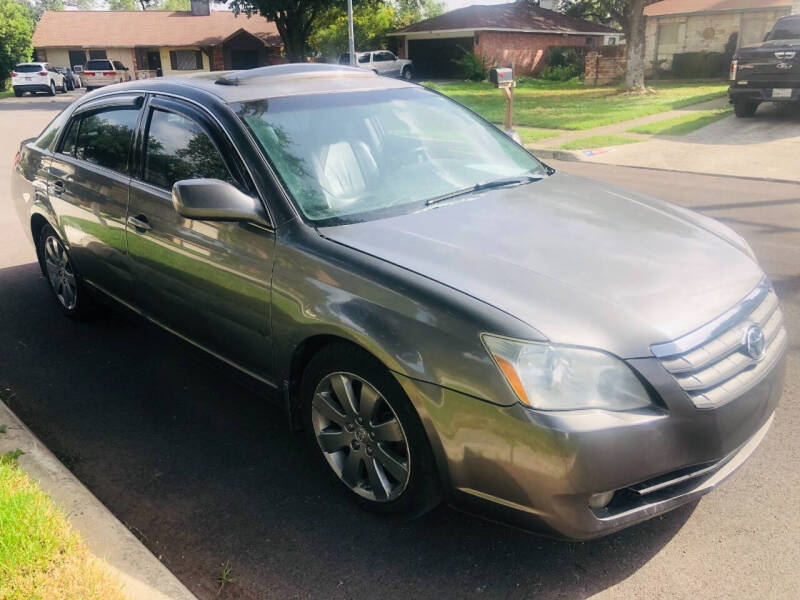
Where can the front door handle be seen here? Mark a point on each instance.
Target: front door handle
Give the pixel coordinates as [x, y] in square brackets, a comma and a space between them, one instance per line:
[58, 187]
[140, 223]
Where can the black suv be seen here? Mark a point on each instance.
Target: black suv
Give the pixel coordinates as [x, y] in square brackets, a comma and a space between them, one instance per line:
[769, 71]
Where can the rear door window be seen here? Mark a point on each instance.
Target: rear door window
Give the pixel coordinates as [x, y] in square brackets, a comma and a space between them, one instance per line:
[70, 138]
[105, 137]
[99, 65]
[179, 148]
[118, 65]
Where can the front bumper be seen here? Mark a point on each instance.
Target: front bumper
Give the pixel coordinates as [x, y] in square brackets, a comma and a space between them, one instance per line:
[536, 470]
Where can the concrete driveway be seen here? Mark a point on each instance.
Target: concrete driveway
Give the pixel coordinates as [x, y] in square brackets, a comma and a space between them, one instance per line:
[204, 471]
[765, 146]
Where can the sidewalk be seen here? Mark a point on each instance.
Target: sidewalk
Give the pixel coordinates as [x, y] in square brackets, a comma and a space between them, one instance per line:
[141, 573]
[764, 147]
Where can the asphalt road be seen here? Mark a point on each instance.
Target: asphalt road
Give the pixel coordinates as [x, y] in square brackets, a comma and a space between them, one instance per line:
[204, 471]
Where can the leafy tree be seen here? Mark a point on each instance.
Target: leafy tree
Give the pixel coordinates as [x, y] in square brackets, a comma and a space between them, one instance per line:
[123, 5]
[371, 21]
[16, 31]
[628, 14]
[411, 11]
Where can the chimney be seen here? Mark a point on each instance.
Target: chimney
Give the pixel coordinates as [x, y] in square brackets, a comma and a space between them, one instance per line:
[200, 8]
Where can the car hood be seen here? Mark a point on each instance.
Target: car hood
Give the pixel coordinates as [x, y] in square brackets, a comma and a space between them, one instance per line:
[582, 262]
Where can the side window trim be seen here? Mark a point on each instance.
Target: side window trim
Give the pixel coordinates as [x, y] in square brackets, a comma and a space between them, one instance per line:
[187, 111]
[76, 120]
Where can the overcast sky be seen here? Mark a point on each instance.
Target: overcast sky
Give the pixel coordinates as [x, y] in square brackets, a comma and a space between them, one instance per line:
[451, 4]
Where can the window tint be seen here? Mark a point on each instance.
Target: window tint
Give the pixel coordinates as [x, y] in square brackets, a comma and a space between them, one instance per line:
[28, 68]
[97, 54]
[178, 148]
[786, 29]
[104, 138]
[364, 58]
[118, 66]
[47, 139]
[98, 65]
[68, 145]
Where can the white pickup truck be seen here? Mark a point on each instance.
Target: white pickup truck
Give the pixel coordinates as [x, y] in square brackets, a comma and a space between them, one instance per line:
[382, 62]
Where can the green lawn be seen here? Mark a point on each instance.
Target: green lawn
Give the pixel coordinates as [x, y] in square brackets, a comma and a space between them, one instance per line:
[598, 141]
[40, 556]
[6, 94]
[529, 136]
[571, 105]
[684, 124]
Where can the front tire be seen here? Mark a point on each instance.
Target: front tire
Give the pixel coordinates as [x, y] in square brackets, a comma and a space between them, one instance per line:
[744, 109]
[62, 279]
[361, 423]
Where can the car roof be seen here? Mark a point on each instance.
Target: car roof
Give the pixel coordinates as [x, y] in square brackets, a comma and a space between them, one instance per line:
[44, 62]
[271, 82]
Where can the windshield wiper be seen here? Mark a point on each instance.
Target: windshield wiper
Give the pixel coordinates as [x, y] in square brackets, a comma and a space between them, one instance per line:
[488, 185]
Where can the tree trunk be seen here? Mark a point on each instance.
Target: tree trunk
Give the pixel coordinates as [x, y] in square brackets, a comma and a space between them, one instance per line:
[635, 37]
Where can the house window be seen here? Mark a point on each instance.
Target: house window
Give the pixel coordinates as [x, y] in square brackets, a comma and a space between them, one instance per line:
[186, 60]
[97, 54]
[612, 41]
[669, 34]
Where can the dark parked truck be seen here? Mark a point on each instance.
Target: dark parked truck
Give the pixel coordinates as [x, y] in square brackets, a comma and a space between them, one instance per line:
[769, 71]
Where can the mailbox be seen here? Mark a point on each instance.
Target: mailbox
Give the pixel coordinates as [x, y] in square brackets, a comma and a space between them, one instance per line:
[501, 77]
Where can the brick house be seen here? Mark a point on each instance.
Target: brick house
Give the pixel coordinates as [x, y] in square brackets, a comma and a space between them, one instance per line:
[158, 42]
[677, 26]
[516, 34]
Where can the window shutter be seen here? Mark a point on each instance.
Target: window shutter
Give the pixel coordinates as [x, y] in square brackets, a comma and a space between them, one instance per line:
[198, 56]
[173, 60]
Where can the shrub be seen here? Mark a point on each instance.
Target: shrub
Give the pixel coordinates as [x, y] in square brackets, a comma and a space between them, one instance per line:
[564, 63]
[563, 73]
[688, 65]
[472, 66]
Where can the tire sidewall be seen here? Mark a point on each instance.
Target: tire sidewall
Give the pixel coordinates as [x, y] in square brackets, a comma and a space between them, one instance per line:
[422, 492]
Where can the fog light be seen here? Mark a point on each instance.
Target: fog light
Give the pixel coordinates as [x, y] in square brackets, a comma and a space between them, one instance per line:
[601, 500]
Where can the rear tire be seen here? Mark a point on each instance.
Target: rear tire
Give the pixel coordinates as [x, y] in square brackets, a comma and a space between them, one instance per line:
[744, 109]
[64, 282]
[407, 73]
[394, 472]
[52, 91]
[18, 93]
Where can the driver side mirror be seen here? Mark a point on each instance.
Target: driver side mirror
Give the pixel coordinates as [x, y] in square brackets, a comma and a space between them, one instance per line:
[215, 200]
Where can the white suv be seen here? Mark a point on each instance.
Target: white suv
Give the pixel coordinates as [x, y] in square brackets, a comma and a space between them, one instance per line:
[97, 73]
[37, 77]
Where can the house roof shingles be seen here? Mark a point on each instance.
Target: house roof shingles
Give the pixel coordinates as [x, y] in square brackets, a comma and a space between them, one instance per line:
[681, 7]
[127, 29]
[516, 15]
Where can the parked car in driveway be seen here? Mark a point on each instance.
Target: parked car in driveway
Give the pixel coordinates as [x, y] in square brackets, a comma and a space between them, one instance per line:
[37, 77]
[72, 79]
[381, 62]
[99, 73]
[767, 72]
[446, 317]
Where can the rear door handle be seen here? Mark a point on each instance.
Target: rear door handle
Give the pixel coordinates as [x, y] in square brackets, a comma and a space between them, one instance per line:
[58, 187]
[140, 223]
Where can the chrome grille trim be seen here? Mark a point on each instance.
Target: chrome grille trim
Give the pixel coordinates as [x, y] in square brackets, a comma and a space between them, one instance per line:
[715, 370]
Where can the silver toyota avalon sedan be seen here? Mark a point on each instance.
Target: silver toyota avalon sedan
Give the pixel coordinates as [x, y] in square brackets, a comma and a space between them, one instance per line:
[446, 317]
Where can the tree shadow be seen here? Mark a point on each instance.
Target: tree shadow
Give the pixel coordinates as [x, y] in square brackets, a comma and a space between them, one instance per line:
[204, 470]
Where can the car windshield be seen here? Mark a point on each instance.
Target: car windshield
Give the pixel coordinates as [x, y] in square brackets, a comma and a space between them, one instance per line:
[350, 157]
[99, 65]
[786, 29]
[28, 68]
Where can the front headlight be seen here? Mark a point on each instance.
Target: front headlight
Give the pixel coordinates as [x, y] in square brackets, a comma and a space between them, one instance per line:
[550, 377]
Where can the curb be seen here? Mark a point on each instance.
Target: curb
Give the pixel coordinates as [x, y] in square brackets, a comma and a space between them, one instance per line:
[575, 156]
[142, 575]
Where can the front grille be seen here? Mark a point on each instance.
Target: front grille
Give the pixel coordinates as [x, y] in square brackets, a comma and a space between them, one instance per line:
[712, 365]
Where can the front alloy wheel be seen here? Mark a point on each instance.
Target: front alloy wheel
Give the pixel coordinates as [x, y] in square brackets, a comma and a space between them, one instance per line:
[361, 437]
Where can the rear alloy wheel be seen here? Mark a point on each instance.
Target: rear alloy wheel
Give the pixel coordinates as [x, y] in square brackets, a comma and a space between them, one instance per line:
[52, 91]
[57, 267]
[745, 110]
[368, 432]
